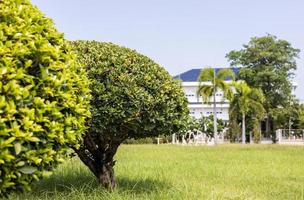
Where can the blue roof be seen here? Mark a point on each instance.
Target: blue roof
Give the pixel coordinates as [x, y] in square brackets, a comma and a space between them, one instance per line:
[193, 74]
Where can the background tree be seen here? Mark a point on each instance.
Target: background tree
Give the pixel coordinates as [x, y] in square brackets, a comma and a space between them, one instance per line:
[189, 125]
[298, 119]
[206, 125]
[290, 117]
[211, 82]
[245, 99]
[44, 96]
[253, 124]
[256, 129]
[234, 129]
[132, 97]
[267, 63]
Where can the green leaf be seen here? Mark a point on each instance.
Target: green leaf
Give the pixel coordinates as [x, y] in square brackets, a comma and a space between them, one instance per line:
[47, 173]
[20, 163]
[27, 169]
[33, 139]
[17, 147]
[7, 142]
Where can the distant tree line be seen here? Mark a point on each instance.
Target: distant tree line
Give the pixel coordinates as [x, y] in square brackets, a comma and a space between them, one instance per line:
[260, 94]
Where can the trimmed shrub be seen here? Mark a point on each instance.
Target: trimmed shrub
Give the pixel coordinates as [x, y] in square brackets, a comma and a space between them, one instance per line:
[44, 96]
[132, 97]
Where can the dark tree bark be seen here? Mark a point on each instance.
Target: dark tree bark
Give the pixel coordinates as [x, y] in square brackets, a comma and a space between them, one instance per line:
[99, 159]
[106, 176]
[267, 126]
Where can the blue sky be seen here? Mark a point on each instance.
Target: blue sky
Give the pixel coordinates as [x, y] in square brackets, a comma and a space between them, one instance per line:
[180, 35]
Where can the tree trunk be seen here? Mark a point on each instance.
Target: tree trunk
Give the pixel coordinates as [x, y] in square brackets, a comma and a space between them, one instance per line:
[243, 129]
[250, 137]
[214, 119]
[267, 126]
[106, 177]
[99, 159]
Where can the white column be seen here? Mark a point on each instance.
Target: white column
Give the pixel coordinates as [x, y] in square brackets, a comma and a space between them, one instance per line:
[173, 138]
[279, 135]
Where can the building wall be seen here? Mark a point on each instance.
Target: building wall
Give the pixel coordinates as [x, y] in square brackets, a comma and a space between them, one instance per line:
[198, 109]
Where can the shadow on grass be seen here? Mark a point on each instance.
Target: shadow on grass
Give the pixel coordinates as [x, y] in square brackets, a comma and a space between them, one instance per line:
[66, 183]
[87, 183]
[138, 186]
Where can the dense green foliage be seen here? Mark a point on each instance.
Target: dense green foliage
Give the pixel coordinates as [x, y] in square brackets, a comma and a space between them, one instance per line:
[296, 115]
[132, 97]
[291, 116]
[189, 124]
[168, 172]
[207, 125]
[268, 63]
[234, 129]
[44, 96]
[246, 100]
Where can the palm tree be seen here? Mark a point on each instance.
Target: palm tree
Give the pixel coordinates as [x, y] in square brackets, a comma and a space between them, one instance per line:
[245, 99]
[209, 83]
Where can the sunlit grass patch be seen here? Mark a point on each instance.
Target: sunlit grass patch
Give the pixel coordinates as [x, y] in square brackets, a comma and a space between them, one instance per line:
[185, 172]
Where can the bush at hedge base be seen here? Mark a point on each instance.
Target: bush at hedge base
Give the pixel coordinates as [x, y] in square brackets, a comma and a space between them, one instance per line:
[44, 96]
[132, 97]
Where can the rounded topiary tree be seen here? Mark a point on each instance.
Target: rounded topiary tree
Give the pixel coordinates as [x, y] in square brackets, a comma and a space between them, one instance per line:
[132, 97]
[44, 96]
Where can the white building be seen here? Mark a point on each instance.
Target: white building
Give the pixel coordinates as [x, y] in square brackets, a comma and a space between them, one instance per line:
[196, 105]
[198, 109]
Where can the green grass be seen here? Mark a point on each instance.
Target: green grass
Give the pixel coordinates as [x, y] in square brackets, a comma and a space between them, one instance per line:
[184, 172]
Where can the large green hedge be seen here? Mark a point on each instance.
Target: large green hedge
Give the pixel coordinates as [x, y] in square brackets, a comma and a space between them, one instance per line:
[44, 96]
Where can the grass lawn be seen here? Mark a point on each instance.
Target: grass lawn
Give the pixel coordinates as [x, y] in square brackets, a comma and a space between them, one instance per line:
[184, 172]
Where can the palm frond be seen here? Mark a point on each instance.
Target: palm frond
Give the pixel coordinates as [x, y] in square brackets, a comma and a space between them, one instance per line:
[205, 91]
[230, 91]
[225, 74]
[207, 74]
[248, 98]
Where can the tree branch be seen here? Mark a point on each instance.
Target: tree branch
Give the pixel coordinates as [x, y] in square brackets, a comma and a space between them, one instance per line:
[87, 160]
